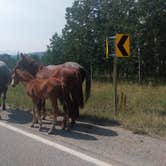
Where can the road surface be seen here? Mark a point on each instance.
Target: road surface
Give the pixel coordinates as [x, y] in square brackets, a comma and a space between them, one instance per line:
[86, 144]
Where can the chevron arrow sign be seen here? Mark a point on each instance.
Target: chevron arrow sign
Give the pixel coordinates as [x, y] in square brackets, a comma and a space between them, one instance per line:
[122, 45]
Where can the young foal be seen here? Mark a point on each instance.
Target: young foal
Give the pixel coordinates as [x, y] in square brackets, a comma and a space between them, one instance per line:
[41, 89]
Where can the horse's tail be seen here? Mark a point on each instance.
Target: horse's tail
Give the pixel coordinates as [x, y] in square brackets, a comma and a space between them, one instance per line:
[81, 98]
[79, 91]
[85, 75]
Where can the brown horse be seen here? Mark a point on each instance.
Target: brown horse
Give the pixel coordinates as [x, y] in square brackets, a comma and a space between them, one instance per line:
[41, 89]
[39, 71]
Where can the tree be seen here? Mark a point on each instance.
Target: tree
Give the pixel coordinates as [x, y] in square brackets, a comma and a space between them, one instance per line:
[55, 51]
[90, 21]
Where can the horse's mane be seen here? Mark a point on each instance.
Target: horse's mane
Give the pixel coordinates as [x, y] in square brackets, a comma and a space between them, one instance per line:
[31, 61]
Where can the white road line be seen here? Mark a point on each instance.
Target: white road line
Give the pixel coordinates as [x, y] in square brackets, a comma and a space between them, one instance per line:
[56, 145]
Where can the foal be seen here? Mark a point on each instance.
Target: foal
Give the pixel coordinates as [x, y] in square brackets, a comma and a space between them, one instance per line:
[41, 89]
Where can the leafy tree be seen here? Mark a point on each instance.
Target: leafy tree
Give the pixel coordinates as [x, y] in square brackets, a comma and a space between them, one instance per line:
[90, 21]
[55, 51]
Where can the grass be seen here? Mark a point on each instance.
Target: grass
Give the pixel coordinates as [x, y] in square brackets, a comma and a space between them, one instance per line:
[145, 107]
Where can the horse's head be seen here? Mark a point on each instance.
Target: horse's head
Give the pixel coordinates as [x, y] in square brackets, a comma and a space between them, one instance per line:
[28, 64]
[15, 78]
[20, 76]
[23, 62]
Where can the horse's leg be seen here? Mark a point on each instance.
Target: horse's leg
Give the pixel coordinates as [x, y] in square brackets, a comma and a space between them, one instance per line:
[55, 113]
[4, 99]
[63, 125]
[61, 99]
[75, 112]
[75, 109]
[44, 110]
[78, 101]
[34, 120]
[39, 106]
[68, 105]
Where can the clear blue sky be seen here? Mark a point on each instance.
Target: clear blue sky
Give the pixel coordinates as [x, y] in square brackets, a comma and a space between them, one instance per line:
[27, 25]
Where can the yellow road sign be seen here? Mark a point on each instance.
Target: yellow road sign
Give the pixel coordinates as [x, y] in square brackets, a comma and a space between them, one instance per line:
[122, 45]
[106, 48]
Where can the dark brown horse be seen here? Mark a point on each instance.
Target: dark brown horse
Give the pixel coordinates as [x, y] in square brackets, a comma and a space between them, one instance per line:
[41, 89]
[39, 71]
[5, 77]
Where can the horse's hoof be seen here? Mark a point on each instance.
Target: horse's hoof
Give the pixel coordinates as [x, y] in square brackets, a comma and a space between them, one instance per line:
[32, 125]
[36, 122]
[40, 129]
[73, 123]
[43, 117]
[62, 126]
[67, 129]
[51, 131]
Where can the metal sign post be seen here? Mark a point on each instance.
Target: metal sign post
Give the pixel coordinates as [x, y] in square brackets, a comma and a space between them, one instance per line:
[115, 86]
[121, 49]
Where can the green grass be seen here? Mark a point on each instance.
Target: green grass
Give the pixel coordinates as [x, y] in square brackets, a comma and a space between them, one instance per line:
[145, 109]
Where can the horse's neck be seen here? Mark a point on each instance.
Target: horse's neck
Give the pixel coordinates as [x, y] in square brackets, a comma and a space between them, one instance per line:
[25, 79]
[35, 68]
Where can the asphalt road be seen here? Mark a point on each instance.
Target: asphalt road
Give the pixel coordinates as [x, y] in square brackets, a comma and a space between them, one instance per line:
[86, 144]
[19, 150]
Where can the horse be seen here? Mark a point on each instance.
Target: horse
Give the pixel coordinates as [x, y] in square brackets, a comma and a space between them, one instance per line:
[5, 77]
[29, 64]
[71, 77]
[33, 67]
[41, 89]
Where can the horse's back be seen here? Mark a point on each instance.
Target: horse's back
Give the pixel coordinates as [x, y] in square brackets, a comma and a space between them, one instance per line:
[4, 68]
[41, 88]
[66, 64]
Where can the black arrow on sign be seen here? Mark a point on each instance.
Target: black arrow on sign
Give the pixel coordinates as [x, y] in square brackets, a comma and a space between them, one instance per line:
[120, 45]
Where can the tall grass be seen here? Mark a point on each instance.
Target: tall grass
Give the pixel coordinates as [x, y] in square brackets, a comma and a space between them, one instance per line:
[145, 107]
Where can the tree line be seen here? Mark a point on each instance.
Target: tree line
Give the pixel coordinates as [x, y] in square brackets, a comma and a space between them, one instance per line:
[88, 22]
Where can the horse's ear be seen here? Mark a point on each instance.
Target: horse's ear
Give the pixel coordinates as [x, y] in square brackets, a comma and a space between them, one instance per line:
[22, 56]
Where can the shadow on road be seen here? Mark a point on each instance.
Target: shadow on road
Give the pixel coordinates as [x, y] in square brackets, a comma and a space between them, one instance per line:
[99, 120]
[81, 131]
[70, 134]
[96, 130]
[19, 116]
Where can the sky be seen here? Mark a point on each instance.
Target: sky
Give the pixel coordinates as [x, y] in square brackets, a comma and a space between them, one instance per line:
[27, 25]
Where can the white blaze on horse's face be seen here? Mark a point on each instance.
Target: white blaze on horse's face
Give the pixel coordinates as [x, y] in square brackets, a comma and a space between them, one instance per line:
[14, 81]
